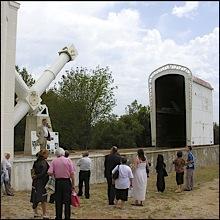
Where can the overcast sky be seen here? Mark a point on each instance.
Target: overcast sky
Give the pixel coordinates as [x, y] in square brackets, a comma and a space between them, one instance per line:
[132, 38]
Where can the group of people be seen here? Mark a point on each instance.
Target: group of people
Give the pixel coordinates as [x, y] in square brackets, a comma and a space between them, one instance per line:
[131, 176]
[180, 165]
[134, 177]
[62, 170]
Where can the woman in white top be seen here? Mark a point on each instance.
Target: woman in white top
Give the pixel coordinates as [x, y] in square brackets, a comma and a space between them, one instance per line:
[123, 182]
[140, 178]
[6, 174]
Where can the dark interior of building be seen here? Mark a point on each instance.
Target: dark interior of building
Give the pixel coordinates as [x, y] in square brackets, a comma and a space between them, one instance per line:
[170, 111]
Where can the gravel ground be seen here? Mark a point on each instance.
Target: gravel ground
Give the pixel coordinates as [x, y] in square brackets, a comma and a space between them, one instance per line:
[201, 203]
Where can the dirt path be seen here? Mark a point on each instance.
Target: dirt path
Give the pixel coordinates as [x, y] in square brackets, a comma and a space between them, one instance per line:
[202, 203]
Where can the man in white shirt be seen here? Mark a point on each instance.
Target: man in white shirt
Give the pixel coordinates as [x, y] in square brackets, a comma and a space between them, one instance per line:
[84, 174]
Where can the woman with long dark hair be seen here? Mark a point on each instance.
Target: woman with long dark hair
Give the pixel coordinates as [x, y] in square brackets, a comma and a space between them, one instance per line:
[140, 178]
[161, 173]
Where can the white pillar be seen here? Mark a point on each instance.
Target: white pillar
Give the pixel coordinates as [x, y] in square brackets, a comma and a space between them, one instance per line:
[8, 48]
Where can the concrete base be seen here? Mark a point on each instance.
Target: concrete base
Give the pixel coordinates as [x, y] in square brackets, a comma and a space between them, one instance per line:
[21, 176]
[32, 123]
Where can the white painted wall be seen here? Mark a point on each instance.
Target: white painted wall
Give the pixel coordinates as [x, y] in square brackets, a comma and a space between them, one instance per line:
[202, 113]
[22, 171]
[204, 156]
[165, 70]
[8, 47]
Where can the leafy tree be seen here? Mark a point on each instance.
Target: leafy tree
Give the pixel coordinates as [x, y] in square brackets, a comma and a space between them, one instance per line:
[133, 108]
[66, 118]
[103, 134]
[144, 139]
[118, 132]
[142, 115]
[129, 130]
[90, 93]
[29, 80]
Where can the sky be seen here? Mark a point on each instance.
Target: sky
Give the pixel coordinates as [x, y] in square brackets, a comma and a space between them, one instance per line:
[133, 38]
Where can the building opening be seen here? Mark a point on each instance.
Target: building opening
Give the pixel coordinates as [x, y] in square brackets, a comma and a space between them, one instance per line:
[170, 111]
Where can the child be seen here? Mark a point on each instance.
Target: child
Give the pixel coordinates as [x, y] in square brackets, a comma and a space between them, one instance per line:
[161, 173]
[179, 163]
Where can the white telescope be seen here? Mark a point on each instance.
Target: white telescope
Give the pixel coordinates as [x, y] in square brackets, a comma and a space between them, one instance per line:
[29, 99]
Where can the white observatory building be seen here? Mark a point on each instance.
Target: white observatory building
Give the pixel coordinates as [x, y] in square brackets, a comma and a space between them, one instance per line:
[181, 108]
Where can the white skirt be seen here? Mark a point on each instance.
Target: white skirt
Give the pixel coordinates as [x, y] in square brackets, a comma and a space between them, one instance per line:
[140, 182]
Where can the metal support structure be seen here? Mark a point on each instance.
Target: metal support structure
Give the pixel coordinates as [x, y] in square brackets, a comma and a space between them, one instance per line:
[29, 99]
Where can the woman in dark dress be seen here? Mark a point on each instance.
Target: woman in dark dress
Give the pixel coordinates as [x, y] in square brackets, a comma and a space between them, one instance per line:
[40, 179]
[161, 173]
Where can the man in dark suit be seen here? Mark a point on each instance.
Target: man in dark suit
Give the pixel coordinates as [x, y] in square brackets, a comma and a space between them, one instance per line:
[111, 161]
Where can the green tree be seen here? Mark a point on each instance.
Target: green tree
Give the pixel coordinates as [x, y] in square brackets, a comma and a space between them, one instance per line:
[133, 108]
[142, 115]
[90, 94]
[65, 118]
[119, 132]
[19, 130]
[29, 80]
[129, 130]
[104, 133]
[144, 139]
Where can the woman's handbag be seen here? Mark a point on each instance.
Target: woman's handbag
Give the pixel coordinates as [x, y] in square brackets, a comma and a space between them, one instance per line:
[2, 178]
[165, 172]
[32, 173]
[130, 192]
[5, 176]
[51, 185]
[75, 201]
